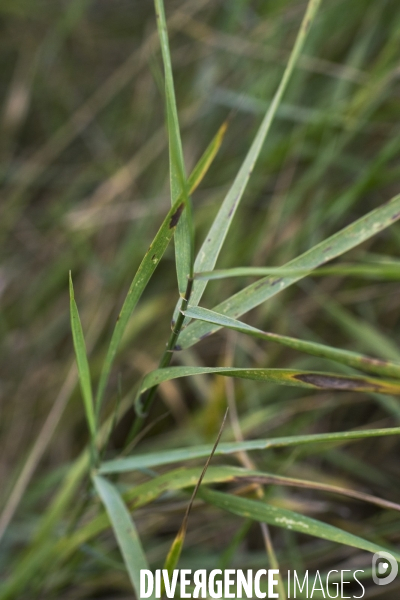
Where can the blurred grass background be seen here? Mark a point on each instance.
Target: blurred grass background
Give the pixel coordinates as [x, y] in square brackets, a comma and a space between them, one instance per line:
[84, 174]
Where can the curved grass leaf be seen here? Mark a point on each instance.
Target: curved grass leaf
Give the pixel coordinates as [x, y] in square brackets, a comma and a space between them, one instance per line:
[152, 258]
[82, 361]
[347, 357]
[184, 231]
[206, 160]
[389, 270]
[166, 457]
[259, 511]
[336, 245]
[176, 548]
[124, 529]
[305, 379]
[209, 251]
[180, 479]
[137, 287]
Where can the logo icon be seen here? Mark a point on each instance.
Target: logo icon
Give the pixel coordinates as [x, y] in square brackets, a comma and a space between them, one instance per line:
[384, 563]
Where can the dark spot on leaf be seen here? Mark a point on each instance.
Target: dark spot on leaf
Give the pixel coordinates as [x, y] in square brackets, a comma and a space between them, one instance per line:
[276, 281]
[153, 257]
[328, 248]
[233, 206]
[396, 216]
[178, 348]
[374, 361]
[176, 216]
[331, 382]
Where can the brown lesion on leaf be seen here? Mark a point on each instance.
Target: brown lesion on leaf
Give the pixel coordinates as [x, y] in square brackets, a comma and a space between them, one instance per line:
[234, 205]
[176, 216]
[276, 281]
[332, 382]
[374, 361]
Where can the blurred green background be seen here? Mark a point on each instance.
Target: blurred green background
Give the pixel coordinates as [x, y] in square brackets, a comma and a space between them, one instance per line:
[85, 186]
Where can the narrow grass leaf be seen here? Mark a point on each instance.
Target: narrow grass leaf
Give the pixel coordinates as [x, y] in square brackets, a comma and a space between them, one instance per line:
[260, 291]
[383, 271]
[124, 529]
[183, 478]
[288, 519]
[137, 287]
[166, 457]
[209, 251]
[82, 361]
[347, 357]
[206, 160]
[184, 230]
[305, 379]
[152, 258]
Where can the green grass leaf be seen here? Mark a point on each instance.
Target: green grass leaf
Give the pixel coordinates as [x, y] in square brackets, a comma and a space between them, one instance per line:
[152, 258]
[209, 251]
[347, 357]
[166, 457]
[336, 245]
[259, 511]
[179, 479]
[305, 379]
[184, 232]
[207, 158]
[137, 287]
[174, 553]
[124, 529]
[82, 361]
[389, 270]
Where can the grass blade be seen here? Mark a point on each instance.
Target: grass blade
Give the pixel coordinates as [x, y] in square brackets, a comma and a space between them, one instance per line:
[305, 379]
[180, 479]
[137, 287]
[124, 529]
[184, 231]
[149, 491]
[206, 160]
[146, 402]
[209, 252]
[347, 357]
[131, 463]
[152, 258]
[336, 245]
[82, 362]
[183, 478]
[389, 270]
[288, 519]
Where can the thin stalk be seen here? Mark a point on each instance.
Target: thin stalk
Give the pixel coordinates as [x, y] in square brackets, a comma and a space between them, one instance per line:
[145, 400]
